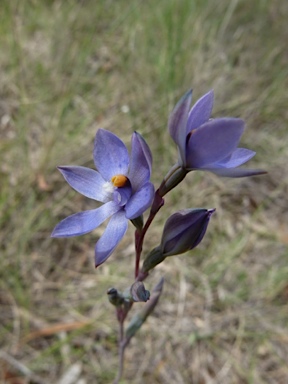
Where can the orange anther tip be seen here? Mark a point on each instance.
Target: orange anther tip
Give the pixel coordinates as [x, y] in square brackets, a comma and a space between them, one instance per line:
[119, 180]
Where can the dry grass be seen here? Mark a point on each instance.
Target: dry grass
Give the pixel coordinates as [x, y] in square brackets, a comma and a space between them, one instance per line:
[70, 67]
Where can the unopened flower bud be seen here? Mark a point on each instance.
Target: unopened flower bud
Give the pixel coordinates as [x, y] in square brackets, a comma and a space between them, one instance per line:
[184, 230]
[138, 292]
[138, 319]
[115, 297]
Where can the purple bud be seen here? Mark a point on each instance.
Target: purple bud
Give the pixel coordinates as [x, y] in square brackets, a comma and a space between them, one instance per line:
[184, 230]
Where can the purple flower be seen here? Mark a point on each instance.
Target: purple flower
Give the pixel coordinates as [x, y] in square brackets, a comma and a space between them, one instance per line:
[121, 184]
[208, 144]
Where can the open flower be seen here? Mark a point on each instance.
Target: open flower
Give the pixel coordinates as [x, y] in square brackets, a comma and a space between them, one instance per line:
[121, 183]
[208, 144]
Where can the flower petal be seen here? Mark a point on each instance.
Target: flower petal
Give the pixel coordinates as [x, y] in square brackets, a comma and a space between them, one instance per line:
[235, 172]
[122, 195]
[85, 181]
[178, 121]
[238, 157]
[84, 222]
[201, 111]
[114, 232]
[213, 141]
[111, 156]
[140, 201]
[141, 162]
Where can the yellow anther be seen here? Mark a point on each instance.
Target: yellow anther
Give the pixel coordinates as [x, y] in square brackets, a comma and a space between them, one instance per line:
[119, 180]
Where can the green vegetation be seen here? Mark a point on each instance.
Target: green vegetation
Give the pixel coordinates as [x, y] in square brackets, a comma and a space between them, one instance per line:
[70, 67]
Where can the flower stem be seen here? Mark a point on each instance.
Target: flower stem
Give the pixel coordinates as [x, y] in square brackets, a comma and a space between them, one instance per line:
[175, 175]
[121, 344]
[140, 234]
[121, 312]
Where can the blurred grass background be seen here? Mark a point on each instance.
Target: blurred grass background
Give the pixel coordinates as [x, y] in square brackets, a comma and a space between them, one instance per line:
[70, 67]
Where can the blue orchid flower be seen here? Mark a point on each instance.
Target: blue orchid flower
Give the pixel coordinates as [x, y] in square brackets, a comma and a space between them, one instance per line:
[121, 183]
[208, 144]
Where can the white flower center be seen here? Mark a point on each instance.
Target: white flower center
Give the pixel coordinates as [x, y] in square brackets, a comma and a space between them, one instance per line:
[108, 189]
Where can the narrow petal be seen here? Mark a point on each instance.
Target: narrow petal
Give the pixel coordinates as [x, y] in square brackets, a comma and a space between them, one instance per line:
[201, 111]
[114, 232]
[141, 162]
[138, 140]
[238, 157]
[111, 156]
[178, 121]
[213, 141]
[85, 181]
[140, 201]
[84, 222]
[236, 172]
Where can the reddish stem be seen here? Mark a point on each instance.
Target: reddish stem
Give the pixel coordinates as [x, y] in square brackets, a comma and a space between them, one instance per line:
[139, 235]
